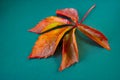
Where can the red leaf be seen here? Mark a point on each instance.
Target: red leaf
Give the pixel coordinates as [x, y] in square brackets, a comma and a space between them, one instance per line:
[69, 50]
[69, 12]
[95, 35]
[47, 43]
[49, 23]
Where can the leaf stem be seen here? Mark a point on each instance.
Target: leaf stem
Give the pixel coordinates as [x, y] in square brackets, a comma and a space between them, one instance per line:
[86, 14]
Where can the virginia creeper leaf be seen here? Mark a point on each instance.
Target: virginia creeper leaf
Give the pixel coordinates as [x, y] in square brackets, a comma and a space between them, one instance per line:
[49, 23]
[95, 35]
[69, 50]
[69, 12]
[47, 43]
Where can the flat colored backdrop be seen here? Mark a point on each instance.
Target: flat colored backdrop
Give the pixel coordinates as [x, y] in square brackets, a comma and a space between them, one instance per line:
[95, 63]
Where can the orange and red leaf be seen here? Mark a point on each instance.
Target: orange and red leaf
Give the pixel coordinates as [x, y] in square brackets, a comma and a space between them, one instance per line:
[69, 50]
[95, 35]
[69, 12]
[47, 43]
[49, 23]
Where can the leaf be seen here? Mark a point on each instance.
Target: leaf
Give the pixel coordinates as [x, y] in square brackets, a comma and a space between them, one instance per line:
[52, 30]
[49, 23]
[69, 12]
[95, 35]
[47, 43]
[69, 50]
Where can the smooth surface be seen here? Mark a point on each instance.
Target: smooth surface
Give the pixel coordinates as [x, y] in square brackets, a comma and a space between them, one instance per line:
[95, 63]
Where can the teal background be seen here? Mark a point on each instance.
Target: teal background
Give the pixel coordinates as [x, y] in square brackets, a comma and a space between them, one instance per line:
[95, 63]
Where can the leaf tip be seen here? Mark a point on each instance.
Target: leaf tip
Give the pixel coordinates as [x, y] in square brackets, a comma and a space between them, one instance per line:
[31, 30]
[30, 56]
[108, 47]
[61, 68]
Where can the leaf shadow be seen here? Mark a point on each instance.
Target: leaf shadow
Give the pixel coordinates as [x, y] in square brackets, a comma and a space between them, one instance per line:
[81, 41]
[57, 27]
[86, 39]
[58, 54]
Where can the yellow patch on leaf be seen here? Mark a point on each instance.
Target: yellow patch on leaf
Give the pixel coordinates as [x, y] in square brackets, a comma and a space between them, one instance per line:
[49, 23]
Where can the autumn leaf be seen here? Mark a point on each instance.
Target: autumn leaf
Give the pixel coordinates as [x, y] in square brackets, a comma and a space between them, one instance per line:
[47, 42]
[95, 35]
[69, 12]
[49, 23]
[69, 50]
